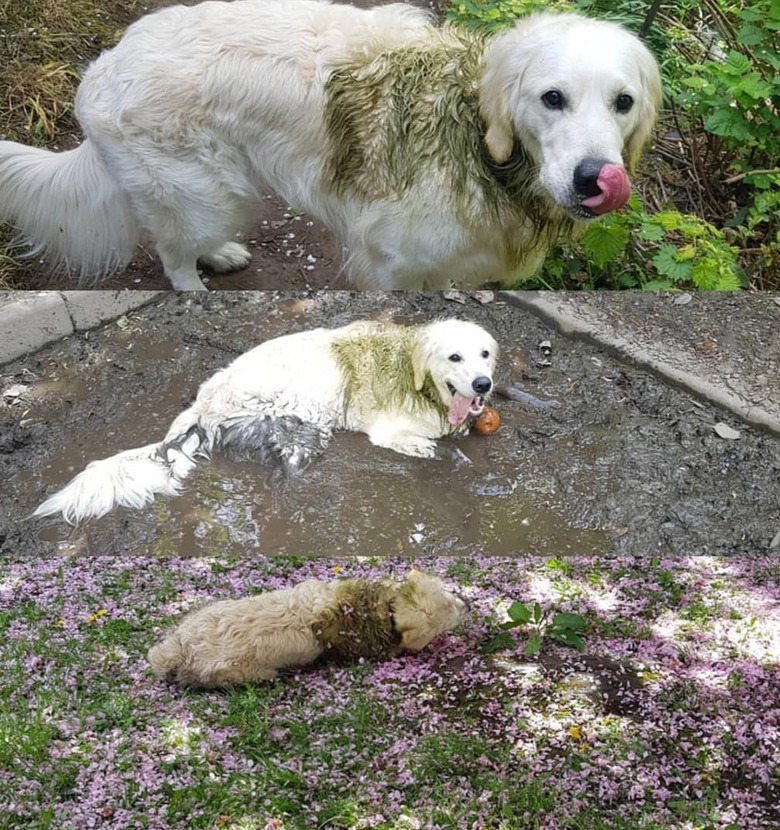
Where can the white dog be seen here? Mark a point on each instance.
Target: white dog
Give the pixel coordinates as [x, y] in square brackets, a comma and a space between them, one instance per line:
[404, 386]
[436, 155]
[248, 640]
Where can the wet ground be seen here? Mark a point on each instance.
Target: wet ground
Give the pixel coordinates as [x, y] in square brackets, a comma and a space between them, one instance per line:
[624, 465]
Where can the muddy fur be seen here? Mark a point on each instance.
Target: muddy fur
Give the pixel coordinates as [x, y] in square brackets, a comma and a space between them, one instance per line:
[384, 369]
[281, 402]
[249, 640]
[434, 154]
[382, 129]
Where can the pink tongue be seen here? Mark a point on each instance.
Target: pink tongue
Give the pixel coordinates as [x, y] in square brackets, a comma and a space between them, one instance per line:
[459, 409]
[615, 190]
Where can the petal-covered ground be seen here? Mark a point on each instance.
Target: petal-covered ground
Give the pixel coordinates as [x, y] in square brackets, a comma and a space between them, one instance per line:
[670, 719]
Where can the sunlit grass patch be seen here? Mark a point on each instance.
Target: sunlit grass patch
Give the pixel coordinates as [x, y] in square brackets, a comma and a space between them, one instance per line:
[669, 720]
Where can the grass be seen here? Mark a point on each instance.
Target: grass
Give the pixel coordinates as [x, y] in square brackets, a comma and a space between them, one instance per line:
[669, 721]
[44, 46]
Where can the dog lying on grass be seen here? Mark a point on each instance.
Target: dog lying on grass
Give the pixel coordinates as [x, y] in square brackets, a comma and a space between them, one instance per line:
[249, 640]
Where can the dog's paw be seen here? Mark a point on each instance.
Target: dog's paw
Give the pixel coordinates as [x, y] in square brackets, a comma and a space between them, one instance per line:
[414, 446]
[230, 257]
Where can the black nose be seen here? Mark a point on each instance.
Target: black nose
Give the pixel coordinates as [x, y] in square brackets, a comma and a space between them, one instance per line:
[482, 385]
[586, 175]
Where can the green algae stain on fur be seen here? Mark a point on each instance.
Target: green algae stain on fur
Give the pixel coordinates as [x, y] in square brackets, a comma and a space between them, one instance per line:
[361, 625]
[378, 368]
[413, 113]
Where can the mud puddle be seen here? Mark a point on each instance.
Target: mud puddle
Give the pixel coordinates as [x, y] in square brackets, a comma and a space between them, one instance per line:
[624, 465]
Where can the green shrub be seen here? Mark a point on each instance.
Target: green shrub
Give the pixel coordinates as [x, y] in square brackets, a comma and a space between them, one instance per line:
[721, 222]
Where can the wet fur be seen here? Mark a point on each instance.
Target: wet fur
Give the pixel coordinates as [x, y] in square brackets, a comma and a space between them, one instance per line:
[249, 640]
[426, 149]
[282, 401]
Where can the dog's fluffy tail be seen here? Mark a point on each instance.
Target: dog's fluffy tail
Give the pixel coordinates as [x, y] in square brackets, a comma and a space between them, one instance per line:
[66, 206]
[131, 478]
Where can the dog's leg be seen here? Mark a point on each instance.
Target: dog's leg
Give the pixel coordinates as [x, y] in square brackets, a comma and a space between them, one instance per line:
[388, 433]
[229, 257]
[181, 269]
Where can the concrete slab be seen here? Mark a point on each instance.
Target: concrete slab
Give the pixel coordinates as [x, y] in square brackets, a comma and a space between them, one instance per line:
[30, 320]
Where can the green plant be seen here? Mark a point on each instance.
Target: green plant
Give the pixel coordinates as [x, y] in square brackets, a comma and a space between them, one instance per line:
[563, 628]
[634, 249]
[733, 93]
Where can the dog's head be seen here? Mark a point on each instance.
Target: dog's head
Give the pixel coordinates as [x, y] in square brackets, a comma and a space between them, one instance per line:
[460, 358]
[424, 608]
[581, 97]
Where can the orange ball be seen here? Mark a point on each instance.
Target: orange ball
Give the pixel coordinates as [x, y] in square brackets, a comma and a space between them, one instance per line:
[488, 421]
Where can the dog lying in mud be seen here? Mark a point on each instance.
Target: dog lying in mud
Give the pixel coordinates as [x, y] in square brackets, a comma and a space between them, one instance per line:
[404, 386]
[436, 155]
[249, 640]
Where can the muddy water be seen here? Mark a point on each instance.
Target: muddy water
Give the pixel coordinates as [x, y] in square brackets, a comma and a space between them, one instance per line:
[356, 499]
[624, 465]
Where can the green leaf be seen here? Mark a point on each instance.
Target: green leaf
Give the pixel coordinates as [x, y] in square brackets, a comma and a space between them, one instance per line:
[537, 612]
[665, 261]
[499, 642]
[651, 231]
[567, 620]
[727, 123]
[533, 644]
[569, 638]
[603, 243]
[735, 64]
[519, 613]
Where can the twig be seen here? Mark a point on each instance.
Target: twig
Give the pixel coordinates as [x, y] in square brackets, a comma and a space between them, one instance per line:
[740, 176]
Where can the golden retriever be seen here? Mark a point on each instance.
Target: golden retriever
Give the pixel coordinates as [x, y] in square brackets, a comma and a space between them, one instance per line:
[436, 155]
[248, 640]
[404, 386]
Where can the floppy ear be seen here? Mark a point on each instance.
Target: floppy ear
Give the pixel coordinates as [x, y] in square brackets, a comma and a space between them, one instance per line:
[494, 89]
[420, 358]
[651, 100]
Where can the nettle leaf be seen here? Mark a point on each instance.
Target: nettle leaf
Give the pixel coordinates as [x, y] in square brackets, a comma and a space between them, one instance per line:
[750, 35]
[567, 620]
[534, 644]
[604, 243]
[519, 613]
[727, 123]
[754, 86]
[666, 263]
[537, 613]
[651, 231]
[569, 638]
[735, 64]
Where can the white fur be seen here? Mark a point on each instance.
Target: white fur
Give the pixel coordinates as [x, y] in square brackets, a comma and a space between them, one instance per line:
[199, 111]
[248, 640]
[298, 376]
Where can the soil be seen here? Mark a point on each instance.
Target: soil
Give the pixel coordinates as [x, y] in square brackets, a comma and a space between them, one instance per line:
[624, 465]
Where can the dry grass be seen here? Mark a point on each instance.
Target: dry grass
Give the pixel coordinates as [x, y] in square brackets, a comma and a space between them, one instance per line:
[44, 46]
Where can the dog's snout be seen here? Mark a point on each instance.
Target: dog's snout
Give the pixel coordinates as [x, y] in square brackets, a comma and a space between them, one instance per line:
[463, 599]
[586, 175]
[482, 385]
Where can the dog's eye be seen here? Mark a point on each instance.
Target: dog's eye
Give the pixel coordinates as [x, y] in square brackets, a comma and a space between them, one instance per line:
[623, 103]
[455, 358]
[553, 99]
[485, 354]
